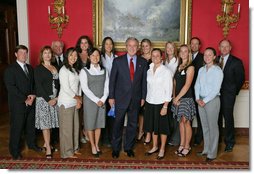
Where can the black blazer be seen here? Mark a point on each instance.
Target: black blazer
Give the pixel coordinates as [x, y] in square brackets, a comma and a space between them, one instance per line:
[121, 88]
[233, 76]
[19, 86]
[43, 82]
[198, 62]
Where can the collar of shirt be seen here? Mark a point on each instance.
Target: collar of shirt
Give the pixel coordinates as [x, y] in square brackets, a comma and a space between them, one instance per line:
[134, 60]
[61, 57]
[21, 64]
[225, 59]
[195, 54]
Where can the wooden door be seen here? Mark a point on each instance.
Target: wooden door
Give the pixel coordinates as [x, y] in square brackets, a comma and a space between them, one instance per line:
[8, 42]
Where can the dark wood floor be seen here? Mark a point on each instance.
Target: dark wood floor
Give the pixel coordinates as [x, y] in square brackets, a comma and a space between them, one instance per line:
[241, 150]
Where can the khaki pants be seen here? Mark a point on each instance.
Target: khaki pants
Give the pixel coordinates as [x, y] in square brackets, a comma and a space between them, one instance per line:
[68, 130]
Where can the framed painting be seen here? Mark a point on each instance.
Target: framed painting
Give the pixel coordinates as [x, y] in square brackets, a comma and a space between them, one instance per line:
[158, 20]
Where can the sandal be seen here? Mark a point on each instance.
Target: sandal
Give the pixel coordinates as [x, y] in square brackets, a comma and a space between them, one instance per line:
[179, 150]
[185, 152]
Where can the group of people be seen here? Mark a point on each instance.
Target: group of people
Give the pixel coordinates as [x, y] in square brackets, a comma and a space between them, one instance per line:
[159, 95]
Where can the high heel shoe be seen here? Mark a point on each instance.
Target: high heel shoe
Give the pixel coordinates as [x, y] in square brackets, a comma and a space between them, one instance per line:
[161, 155]
[147, 142]
[140, 136]
[96, 155]
[179, 150]
[151, 152]
[52, 149]
[185, 152]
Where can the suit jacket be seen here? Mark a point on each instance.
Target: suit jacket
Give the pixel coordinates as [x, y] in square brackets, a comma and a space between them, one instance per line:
[198, 62]
[233, 76]
[43, 82]
[55, 63]
[19, 86]
[121, 88]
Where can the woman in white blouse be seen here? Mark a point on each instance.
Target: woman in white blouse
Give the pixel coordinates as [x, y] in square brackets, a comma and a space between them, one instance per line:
[94, 83]
[69, 101]
[159, 92]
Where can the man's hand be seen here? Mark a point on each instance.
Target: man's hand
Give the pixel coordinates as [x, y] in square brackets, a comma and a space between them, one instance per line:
[111, 102]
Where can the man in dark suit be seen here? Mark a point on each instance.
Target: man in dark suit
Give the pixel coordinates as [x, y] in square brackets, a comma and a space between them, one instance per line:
[57, 47]
[19, 81]
[127, 91]
[197, 62]
[233, 80]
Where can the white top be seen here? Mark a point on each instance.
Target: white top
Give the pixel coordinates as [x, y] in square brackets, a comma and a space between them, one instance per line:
[69, 87]
[107, 62]
[84, 85]
[159, 85]
[172, 65]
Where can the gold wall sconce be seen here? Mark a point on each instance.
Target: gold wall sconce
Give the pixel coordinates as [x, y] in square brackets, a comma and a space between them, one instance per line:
[228, 19]
[58, 19]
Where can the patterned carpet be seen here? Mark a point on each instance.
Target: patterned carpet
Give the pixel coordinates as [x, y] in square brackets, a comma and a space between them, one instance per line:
[39, 163]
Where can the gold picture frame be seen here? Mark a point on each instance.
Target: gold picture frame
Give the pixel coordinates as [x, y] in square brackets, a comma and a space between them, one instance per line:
[102, 9]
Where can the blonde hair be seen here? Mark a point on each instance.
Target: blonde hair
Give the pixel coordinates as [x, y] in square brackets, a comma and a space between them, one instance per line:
[175, 51]
[189, 61]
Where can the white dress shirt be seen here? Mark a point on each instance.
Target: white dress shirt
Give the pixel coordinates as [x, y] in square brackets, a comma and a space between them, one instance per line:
[107, 62]
[159, 85]
[172, 65]
[84, 83]
[69, 87]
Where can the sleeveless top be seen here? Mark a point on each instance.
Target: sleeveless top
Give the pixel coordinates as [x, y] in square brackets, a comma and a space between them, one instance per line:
[180, 77]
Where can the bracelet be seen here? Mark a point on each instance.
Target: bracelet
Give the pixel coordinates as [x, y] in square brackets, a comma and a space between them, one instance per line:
[164, 107]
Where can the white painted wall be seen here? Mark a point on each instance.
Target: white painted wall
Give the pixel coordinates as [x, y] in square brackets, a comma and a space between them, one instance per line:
[22, 23]
[241, 110]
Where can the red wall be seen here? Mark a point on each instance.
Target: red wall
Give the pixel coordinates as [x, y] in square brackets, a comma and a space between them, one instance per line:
[204, 26]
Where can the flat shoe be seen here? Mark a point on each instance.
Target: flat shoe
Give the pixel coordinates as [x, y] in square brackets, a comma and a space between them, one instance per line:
[49, 156]
[150, 153]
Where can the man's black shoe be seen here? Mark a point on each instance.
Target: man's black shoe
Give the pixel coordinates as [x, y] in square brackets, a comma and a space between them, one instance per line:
[115, 154]
[130, 153]
[18, 157]
[229, 148]
[36, 148]
[209, 159]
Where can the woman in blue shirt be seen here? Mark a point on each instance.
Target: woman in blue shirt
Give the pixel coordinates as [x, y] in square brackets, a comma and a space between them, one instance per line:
[207, 91]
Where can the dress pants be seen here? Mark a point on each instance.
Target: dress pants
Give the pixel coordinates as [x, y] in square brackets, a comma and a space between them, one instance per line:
[68, 130]
[21, 122]
[131, 128]
[226, 112]
[209, 120]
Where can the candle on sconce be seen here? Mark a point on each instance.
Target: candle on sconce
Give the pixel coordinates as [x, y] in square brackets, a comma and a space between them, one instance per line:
[63, 10]
[239, 8]
[49, 10]
[224, 9]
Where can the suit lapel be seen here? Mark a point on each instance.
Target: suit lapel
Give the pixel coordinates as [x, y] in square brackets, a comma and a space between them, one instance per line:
[126, 67]
[137, 68]
[227, 66]
[20, 70]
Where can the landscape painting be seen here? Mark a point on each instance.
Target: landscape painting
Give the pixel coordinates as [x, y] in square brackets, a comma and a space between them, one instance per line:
[157, 20]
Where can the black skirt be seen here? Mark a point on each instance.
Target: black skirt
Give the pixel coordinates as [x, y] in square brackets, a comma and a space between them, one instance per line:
[153, 121]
